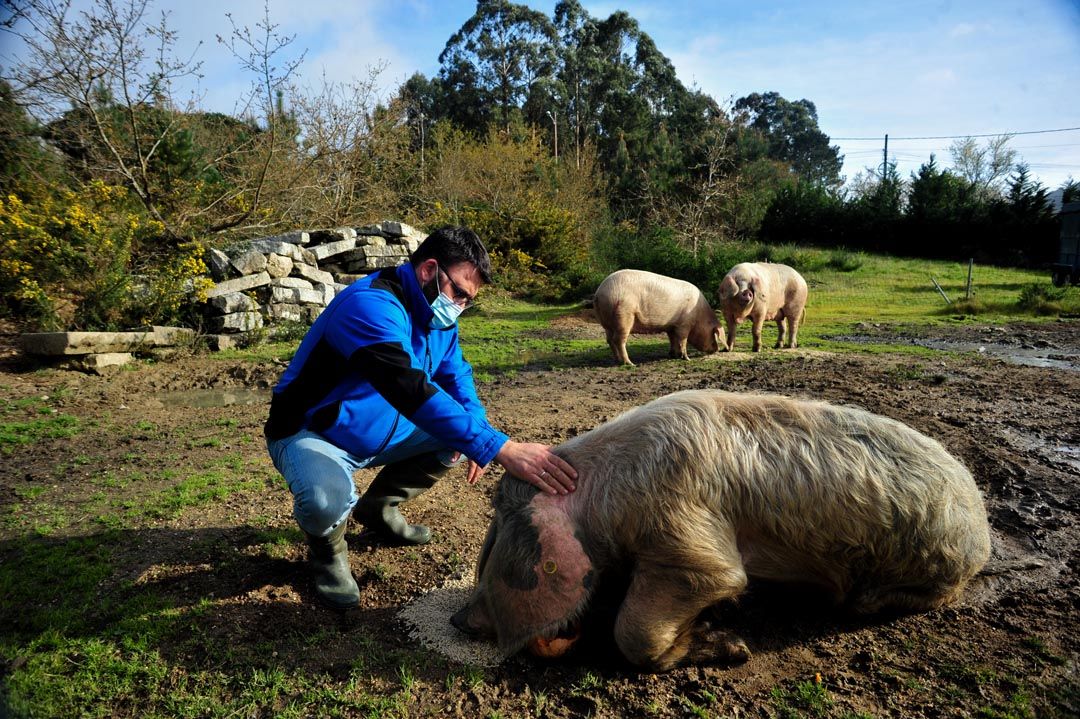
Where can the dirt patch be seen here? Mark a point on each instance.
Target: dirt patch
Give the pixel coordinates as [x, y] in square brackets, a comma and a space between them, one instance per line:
[1011, 644]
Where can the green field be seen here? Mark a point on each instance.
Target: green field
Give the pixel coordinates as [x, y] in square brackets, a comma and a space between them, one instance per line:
[507, 334]
[502, 334]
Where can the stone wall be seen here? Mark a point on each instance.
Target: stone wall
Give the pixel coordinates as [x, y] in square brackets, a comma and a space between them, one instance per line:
[258, 283]
[293, 277]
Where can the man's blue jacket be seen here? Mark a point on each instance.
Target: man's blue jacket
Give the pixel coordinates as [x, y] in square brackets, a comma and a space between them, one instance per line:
[371, 369]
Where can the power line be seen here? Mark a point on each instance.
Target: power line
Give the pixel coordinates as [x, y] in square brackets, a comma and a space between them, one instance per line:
[939, 147]
[954, 137]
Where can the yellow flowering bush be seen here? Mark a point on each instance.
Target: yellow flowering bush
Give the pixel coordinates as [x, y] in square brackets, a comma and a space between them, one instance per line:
[533, 247]
[66, 261]
[169, 293]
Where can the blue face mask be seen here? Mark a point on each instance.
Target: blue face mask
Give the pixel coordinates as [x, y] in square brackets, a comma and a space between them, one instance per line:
[446, 312]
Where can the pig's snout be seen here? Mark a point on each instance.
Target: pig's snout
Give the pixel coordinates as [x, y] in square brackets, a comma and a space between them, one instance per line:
[460, 620]
[465, 620]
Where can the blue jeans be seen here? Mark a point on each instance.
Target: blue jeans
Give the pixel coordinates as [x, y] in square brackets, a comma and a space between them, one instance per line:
[320, 474]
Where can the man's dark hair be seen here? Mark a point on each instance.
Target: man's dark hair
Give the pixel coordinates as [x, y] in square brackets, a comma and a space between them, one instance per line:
[451, 245]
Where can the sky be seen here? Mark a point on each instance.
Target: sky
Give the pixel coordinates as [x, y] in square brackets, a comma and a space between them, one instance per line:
[924, 72]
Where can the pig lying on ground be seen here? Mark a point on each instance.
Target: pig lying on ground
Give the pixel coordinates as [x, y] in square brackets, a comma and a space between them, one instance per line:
[698, 490]
[638, 301]
[763, 291]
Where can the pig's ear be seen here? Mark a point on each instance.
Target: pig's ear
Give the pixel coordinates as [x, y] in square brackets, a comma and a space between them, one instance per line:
[728, 288]
[757, 285]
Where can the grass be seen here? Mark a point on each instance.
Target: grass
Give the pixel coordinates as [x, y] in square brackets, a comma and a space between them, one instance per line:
[82, 641]
[806, 698]
[505, 335]
[502, 336]
[899, 291]
[33, 419]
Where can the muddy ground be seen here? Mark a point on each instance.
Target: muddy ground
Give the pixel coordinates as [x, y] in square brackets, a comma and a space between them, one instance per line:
[1009, 648]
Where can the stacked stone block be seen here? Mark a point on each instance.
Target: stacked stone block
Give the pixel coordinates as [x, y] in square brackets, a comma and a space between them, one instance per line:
[293, 277]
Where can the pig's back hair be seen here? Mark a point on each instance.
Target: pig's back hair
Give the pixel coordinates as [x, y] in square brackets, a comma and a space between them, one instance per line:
[638, 291]
[838, 494]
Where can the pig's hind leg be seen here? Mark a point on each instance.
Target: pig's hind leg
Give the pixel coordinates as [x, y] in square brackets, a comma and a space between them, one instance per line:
[659, 625]
[616, 339]
[793, 321]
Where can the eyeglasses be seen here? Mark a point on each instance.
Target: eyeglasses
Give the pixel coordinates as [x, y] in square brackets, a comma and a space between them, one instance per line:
[461, 298]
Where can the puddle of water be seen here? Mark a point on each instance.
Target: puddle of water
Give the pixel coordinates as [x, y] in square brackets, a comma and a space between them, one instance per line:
[203, 398]
[1052, 451]
[1070, 455]
[1047, 358]
[1017, 355]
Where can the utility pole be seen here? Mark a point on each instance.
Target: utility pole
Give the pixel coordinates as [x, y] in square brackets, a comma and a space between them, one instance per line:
[885, 158]
[555, 122]
[421, 144]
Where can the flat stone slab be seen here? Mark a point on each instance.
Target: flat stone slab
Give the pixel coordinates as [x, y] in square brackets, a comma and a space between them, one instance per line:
[232, 302]
[288, 295]
[335, 234]
[171, 336]
[218, 343]
[296, 283]
[102, 362]
[285, 311]
[385, 251]
[386, 228]
[236, 322]
[312, 273]
[285, 249]
[57, 344]
[247, 282]
[296, 237]
[330, 249]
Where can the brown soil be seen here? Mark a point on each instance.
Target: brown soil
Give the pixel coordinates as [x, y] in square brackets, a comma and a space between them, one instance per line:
[1009, 648]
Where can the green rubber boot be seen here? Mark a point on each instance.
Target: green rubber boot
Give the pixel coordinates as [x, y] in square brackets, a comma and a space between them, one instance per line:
[329, 560]
[395, 483]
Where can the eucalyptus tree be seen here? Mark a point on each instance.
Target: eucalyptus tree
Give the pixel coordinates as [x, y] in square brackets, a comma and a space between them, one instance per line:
[601, 83]
[641, 117]
[793, 136]
[495, 60]
[578, 68]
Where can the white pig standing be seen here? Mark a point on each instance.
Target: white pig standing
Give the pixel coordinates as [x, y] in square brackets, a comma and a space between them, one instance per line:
[763, 291]
[638, 301]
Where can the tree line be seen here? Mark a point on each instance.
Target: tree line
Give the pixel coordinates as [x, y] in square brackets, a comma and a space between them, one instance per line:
[568, 142]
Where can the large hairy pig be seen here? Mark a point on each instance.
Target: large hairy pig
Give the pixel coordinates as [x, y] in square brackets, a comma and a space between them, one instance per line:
[763, 291]
[638, 301]
[694, 492]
